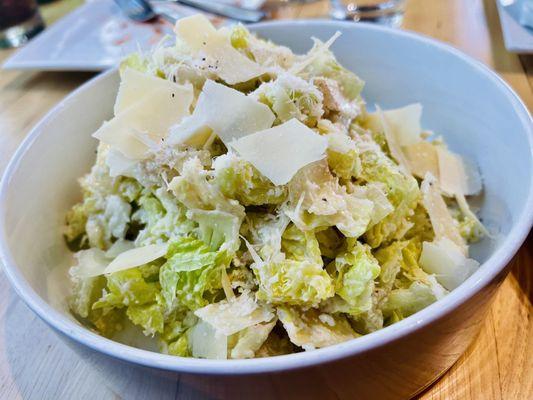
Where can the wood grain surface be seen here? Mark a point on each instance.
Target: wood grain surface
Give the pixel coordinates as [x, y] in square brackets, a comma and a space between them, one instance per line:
[36, 364]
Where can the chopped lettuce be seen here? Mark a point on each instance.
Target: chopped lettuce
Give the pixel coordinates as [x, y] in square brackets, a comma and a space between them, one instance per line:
[404, 302]
[355, 271]
[319, 201]
[323, 63]
[401, 190]
[192, 273]
[291, 97]
[296, 278]
[292, 282]
[194, 190]
[240, 180]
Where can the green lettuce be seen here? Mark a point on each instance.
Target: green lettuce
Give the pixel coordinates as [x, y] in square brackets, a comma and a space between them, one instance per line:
[318, 201]
[296, 278]
[404, 302]
[238, 179]
[218, 229]
[354, 272]
[402, 191]
[291, 97]
[104, 215]
[195, 190]
[323, 63]
[160, 218]
[191, 276]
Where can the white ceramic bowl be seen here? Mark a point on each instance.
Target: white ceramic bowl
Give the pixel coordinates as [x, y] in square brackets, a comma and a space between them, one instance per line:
[478, 114]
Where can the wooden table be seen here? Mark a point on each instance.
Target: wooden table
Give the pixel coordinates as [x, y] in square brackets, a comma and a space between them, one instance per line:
[36, 364]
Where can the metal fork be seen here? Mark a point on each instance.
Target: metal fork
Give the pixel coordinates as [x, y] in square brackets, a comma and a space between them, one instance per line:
[142, 11]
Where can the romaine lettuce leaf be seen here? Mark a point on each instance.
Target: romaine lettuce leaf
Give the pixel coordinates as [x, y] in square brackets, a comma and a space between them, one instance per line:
[300, 245]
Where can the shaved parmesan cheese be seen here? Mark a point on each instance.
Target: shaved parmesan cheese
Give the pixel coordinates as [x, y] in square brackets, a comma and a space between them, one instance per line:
[206, 342]
[148, 118]
[91, 262]
[392, 141]
[229, 317]
[405, 123]
[226, 286]
[119, 247]
[340, 142]
[453, 174]
[474, 183]
[251, 340]
[279, 152]
[422, 158]
[307, 329]
[118, 163]
[223, 59]
[227, 112]
[441, 219]
[135, 257]
[447, 261]
[135, 84]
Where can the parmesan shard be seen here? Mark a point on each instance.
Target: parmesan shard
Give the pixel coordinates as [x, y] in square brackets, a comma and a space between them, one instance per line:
[135, 84]
[454, 178]
[206, 342]
[311, 331]
[251, 340]
[146, 121]
[446, 261]
[91, 262]
[118, 163]
[422, 158]
[222, 58]
[229, 317]
[279, 152]
[443, 223]
[405, 123]
[393, 142]
[135, 257]
[224, 111]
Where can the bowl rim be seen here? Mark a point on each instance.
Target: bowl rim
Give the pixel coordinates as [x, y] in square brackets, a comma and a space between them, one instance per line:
[495, 264]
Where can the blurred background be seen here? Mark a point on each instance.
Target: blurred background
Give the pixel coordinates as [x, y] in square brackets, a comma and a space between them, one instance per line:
[96, 34]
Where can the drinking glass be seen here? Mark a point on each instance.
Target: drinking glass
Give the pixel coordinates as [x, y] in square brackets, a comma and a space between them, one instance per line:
[386, 12]
[19, 21]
